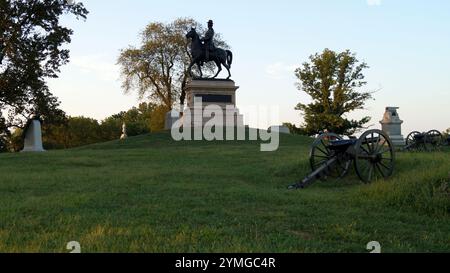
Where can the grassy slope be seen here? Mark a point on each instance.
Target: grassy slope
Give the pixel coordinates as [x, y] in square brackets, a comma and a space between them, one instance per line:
[154, 195]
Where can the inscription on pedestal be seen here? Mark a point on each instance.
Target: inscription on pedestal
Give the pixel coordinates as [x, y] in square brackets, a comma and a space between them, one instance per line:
[215, 98]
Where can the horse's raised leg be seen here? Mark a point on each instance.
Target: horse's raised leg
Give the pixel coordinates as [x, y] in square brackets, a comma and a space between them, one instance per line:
[218, 71]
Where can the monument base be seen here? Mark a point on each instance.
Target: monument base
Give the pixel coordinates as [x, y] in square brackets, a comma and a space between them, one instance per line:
[32, 150]
[398, 140]
[212, 103]
[33, 137]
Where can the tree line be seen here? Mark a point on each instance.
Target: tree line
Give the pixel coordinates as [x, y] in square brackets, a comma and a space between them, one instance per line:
[81, 131]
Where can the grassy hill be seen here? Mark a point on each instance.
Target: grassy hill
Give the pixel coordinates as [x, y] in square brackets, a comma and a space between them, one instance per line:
[150, 194]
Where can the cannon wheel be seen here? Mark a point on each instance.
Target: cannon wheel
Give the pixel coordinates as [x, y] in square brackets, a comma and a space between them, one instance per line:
[374, 156]
[433, 140]
[411, 141]
[320, 154]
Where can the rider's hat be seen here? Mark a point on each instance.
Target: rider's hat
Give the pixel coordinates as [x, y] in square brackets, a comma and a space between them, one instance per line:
[210, 22]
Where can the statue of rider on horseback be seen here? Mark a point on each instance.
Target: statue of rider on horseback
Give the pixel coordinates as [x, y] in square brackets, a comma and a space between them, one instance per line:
[203, 51]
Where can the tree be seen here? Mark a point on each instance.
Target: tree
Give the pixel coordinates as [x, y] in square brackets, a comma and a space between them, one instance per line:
[158, 68]
[31, 40]
[138, 121]
[333, 81]
[294, 129]
[15, 141]
[3, 144]
[159, 118]
[447, 133]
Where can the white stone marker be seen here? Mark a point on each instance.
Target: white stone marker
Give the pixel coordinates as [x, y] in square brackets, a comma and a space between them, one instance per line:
[392, 125]
[33, 137]
[124, 132]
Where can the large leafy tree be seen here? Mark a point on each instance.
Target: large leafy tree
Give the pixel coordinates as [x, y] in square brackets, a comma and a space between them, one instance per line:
[31, 40]
[333, 81]
[157, 69]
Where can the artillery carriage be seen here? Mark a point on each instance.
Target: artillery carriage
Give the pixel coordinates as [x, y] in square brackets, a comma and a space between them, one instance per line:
[430, 141]
[373, 156]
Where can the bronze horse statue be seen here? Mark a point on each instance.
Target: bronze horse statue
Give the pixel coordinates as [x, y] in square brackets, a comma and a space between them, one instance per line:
[198, 52]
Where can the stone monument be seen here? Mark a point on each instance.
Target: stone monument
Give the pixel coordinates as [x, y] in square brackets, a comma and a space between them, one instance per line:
[392, 125]
[210, 93]
[124, 132]
[202, 94]
[33, 136]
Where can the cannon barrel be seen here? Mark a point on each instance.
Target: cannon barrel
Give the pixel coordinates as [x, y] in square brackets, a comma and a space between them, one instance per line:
[315, 175]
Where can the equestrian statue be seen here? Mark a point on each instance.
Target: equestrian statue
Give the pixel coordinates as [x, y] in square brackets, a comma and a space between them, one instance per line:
[203, 51]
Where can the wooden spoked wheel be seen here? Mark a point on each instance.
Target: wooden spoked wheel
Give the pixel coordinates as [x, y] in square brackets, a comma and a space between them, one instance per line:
[374, 156]
[321, 153]
[433, 140]
[413, 143]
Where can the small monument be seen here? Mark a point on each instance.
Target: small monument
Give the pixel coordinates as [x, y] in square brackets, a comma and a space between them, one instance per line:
[33, 136]
[392, 125]
[171, 117]
[124, 132]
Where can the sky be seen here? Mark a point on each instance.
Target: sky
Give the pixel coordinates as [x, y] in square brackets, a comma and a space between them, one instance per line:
[406, 43]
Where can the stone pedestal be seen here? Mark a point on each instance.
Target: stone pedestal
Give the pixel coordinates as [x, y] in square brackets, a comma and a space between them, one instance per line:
[33, 137]
[392, 125]
[212, 99]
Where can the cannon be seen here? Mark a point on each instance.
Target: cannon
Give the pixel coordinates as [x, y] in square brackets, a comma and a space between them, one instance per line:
[373, 157]
[430, 141]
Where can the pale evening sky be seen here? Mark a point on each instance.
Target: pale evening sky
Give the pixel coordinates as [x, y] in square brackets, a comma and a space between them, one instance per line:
[405, 42]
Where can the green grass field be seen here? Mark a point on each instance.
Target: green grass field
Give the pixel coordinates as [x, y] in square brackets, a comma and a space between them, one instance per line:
[150, 194]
